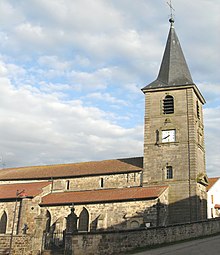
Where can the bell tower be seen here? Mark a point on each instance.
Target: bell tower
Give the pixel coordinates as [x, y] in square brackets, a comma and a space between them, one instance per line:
[174, 153]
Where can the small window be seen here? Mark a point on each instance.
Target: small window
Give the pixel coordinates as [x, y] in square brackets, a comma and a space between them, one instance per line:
[157, 136]
[67, 184]
[212, 198]
[169, 170]
[101, 182]
[127, 178]
[134, 177]
[168, 105]
[197, 109]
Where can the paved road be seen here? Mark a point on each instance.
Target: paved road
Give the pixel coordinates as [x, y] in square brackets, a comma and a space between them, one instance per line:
[206, 246]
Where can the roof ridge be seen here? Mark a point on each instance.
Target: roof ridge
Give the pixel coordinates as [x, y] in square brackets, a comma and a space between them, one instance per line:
[91, 168]
[73, 163]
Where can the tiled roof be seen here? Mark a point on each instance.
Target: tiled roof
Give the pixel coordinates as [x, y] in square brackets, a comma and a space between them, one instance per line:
[74, 169]
[9, 191]
[217, 206]
[107, 195]
[212, 181]
[173, 70]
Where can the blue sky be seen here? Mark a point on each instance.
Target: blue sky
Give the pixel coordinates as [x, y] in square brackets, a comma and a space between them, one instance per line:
[71, 73]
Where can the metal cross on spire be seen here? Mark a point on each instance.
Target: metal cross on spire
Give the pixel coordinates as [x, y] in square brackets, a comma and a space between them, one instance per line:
[171, 9]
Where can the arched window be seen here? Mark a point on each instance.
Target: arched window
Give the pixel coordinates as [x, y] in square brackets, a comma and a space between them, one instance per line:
[48, 222]
[84, 220]
[168, 105]
[169, 172]
[3, 223]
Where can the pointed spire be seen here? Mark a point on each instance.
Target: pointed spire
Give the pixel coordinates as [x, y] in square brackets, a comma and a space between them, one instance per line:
[173, 70]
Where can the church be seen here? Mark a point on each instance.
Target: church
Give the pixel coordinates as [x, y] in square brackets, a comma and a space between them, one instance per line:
[167, 185]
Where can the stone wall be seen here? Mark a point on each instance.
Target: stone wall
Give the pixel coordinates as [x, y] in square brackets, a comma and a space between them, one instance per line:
[109, 243]
[116, 215]
[116, 242]
[186, 154]
[26, 211]
[121, 180]
[98, 182]
[8, 208]
[22, 244]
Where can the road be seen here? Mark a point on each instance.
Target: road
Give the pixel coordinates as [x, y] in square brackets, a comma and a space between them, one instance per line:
[205, 246]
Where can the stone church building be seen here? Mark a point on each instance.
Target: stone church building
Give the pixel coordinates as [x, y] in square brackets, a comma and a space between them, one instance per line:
[165, 186]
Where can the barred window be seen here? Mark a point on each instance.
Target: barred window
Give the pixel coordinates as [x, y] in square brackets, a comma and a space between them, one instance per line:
[169, 170]
[168, 105]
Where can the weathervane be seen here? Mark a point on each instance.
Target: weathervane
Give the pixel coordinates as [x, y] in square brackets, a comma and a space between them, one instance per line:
[171, 11]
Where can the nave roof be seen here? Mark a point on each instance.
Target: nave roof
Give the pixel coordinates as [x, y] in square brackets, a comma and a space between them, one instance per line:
[113, 166]
[103, 196]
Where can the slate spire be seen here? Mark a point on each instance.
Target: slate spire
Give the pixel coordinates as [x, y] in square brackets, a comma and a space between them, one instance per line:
[173, 70]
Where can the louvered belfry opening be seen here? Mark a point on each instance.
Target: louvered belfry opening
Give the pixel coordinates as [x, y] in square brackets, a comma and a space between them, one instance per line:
[168, 105]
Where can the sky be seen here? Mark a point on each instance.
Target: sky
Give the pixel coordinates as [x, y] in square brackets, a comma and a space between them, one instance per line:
[71, 73]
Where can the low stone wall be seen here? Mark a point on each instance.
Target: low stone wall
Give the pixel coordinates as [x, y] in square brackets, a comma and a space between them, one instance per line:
[119, 242]
[22, 244]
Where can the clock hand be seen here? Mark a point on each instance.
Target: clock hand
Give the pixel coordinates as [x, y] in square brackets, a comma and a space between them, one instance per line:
[165, 137]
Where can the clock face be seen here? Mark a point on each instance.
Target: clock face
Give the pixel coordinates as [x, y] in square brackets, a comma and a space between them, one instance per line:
[168, 136]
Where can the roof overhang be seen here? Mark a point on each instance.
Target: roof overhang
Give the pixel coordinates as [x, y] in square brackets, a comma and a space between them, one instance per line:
[102, 196]
[18, 191]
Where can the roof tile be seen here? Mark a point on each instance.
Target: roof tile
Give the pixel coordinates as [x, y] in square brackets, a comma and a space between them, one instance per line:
[73, 170]
[212, 181]
[107, 195]
[9, 191]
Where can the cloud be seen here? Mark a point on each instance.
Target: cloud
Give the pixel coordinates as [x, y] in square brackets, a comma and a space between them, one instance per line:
[10, 16]
[211, 92]
[107, 98]
[53, 62]
[71, 73]
[38, 128]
